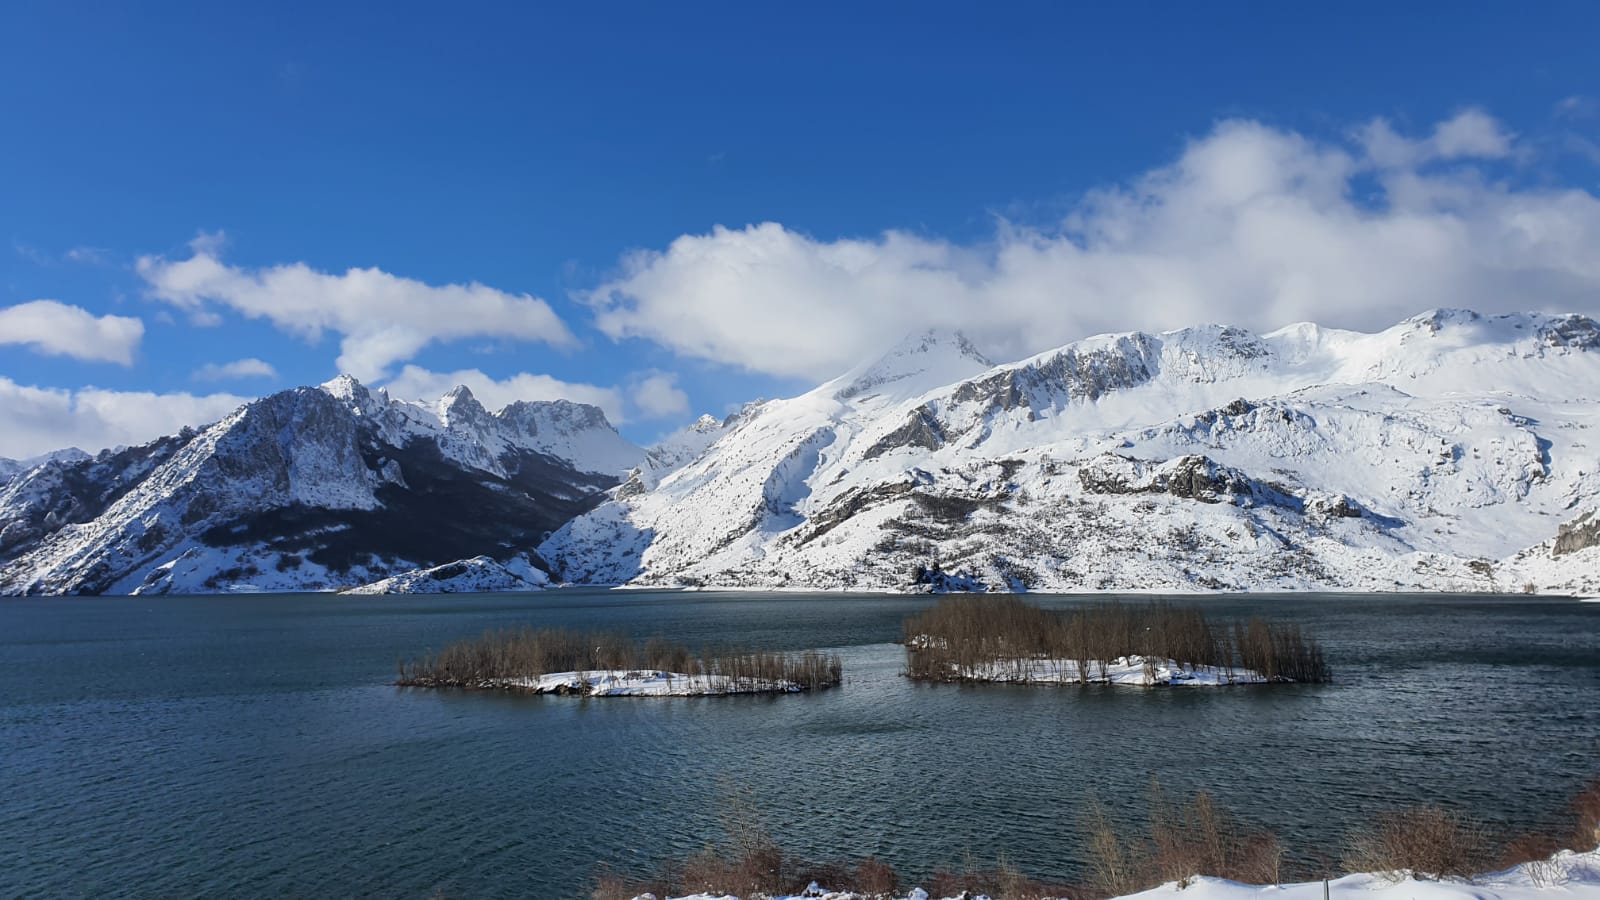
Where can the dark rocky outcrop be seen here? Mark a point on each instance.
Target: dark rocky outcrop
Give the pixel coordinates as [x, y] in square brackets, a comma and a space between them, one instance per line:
[1579, 534]
[921, 429]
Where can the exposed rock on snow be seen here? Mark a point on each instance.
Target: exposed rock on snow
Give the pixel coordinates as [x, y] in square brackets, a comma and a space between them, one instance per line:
[1440, 454]
[1579, 534]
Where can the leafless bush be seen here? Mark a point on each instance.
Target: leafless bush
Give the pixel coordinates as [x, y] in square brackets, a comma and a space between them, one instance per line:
[499, 656]
[876, 878]
[1115, 865]
[1533, 852]
[1196, 837]
[1586, 806]
[610, 885]
[1424, 841]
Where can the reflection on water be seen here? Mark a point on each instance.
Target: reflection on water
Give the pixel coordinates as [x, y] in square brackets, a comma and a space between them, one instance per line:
[226, 745]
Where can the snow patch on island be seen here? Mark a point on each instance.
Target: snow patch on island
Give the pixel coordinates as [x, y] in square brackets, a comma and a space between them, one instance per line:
[620, 683]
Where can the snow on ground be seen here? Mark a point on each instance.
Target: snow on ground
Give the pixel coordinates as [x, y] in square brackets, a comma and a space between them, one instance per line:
[466, 576]
[1565, 876]
[625, 683]
[1133, 670]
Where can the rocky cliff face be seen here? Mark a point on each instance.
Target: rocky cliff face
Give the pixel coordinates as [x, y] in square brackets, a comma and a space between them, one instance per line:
[313, 488]
[1432, 455]
[1579, 534]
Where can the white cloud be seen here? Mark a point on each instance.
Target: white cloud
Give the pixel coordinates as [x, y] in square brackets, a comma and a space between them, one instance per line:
[1470, 134]
[57, 329]
[656, 395]
[1251, 225]
[417, 383]
[87, 256]
[39, 420]
[249, 367]
[382, 319]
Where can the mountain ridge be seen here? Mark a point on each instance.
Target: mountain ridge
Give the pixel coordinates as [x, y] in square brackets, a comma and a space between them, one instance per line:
[1204, 458]
[1452, 451]
[309, 488]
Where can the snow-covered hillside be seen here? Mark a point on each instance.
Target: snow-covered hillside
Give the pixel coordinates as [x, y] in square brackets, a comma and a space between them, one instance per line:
[480, 574]
[312, 488]
[1450, 452]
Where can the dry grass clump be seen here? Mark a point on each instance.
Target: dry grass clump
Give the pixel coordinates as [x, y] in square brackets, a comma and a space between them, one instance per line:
[1422, 841]
[966, 638]
[1533, 850]
[497, 657]
[1586, 807]
[1197, 837]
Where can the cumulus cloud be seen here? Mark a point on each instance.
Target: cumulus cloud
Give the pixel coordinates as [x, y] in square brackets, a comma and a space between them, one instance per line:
[57, 329]
[1250, 225]
[1470, 134]
[417, 383]
[656, 395]
[39, 420]
[250, 367]
[382, 319]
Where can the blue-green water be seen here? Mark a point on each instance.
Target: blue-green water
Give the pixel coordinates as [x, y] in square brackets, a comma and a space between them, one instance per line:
[252, 745]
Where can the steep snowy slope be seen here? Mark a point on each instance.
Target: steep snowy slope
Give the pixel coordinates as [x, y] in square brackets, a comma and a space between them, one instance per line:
[1434, 455]
[312, 488]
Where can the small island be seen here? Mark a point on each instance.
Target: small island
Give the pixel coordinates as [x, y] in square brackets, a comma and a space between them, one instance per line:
[1003, 639]
[605, 664]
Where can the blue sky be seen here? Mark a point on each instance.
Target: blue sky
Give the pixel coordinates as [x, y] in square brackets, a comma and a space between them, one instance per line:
[1030, 174]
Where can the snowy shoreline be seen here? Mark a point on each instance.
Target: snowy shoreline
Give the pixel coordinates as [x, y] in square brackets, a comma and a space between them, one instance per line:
[1567, 875]
[1137, 671]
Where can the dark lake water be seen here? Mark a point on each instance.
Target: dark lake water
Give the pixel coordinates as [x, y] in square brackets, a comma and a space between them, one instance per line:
[252, 745]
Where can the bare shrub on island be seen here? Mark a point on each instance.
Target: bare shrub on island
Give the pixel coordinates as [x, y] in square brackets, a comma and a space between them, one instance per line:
[978, 638]
[499, 657]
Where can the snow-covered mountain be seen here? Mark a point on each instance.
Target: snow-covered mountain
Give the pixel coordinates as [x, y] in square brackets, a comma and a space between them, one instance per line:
[11, 468]
[312, 488]
[1452, 451]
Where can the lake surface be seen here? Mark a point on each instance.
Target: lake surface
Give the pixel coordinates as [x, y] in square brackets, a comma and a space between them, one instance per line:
[253, 745]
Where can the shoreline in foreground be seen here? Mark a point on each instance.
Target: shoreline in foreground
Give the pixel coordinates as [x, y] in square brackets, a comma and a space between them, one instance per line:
[1568, 875]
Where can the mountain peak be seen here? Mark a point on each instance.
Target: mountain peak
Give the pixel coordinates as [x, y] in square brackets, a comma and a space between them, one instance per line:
[937, 340]
[918, 363]
[1435, 320]
[352, 393]
[458, 405]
